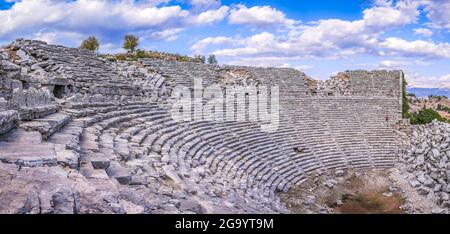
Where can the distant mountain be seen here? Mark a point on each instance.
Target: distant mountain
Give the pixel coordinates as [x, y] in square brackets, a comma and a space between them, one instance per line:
[425, 92]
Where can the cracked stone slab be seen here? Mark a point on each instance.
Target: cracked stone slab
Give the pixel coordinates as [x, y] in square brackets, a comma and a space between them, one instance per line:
[29, 155]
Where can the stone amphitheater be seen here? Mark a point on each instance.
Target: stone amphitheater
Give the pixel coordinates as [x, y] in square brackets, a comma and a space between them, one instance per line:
[83, 134]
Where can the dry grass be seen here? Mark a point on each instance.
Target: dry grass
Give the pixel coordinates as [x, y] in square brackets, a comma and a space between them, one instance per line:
[12, 54]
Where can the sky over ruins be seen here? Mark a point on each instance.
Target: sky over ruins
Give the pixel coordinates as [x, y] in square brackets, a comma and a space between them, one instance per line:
[318, 37]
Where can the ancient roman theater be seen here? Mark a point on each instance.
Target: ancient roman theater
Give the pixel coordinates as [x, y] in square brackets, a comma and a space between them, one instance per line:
[81, 133]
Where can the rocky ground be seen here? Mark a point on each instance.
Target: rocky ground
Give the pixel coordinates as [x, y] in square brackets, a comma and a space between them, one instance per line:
[384, 191]
[426, 163]
[419, 182]
[345, 192]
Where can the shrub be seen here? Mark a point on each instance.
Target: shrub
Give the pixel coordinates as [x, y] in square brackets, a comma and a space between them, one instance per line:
[121, 57]
[425, 116]
[183, 58]
[130, 43]
[141, 54]
[90, 43]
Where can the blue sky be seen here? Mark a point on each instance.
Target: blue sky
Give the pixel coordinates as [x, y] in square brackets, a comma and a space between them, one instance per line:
[318, 37]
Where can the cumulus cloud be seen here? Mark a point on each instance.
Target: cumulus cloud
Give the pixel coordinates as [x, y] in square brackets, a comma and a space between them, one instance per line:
[420, 81]
[385, 15]
[84, 14]
[211, 16]
[423, 32]
[105, 18]
[335, 38]
[200, 45]
[167, 35]
[270, 61]
[53, 37]
[259, 16]
[392, 64]
[438, 13]
[256, 44]
[418, 48]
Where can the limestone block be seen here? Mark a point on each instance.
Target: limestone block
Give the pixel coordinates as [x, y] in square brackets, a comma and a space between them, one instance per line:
[24, 56]
[3, 104]
[32, 97]
[19, 98]
[9, 66]
[8, 119]
[5, 82]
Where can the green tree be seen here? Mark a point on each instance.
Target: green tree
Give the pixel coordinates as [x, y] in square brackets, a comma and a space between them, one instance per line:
[90, 43]
[130, 43]
[212, 59]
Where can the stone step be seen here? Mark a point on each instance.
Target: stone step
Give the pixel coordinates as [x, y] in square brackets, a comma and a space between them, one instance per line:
[121, 174]
[28, 154]
[47, 125]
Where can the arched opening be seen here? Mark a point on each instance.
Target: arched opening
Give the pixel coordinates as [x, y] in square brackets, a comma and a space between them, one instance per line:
[59, 91]
[25, 85]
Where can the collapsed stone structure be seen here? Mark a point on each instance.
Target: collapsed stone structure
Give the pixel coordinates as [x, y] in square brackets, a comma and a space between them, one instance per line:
[81, 134]
[426, 157]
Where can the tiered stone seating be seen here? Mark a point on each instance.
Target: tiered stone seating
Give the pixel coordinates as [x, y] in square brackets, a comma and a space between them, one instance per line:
[119, 141]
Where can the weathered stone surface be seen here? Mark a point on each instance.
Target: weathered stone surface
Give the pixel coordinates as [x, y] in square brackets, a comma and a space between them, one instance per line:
[99, 161]
[102, 134]
[428, 161]
[35, 190]
[118, 172]
[8, 120]
[30, 155]
[3, 104]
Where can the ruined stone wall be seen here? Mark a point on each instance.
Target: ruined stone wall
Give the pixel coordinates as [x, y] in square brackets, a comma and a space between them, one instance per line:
[365, 86]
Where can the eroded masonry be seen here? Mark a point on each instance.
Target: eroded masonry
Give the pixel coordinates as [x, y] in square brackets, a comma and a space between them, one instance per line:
[82, 134]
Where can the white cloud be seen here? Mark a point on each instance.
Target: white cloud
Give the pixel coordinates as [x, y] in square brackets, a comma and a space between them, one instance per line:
[58, 37]
[304, 67]
[385, 15]
[419, 81]
[84, 15]
[418, 48]
[392, 64]
[271, 61]
[259, 16]
[111, 48]
[167, 35]
[97, 17]
[256, 44]
[335, 38]
[211, 16]
[438, 13]
[423, 31]
[200, 45]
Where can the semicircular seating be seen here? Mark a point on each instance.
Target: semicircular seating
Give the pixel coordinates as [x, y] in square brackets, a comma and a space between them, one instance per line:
[218, 166]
